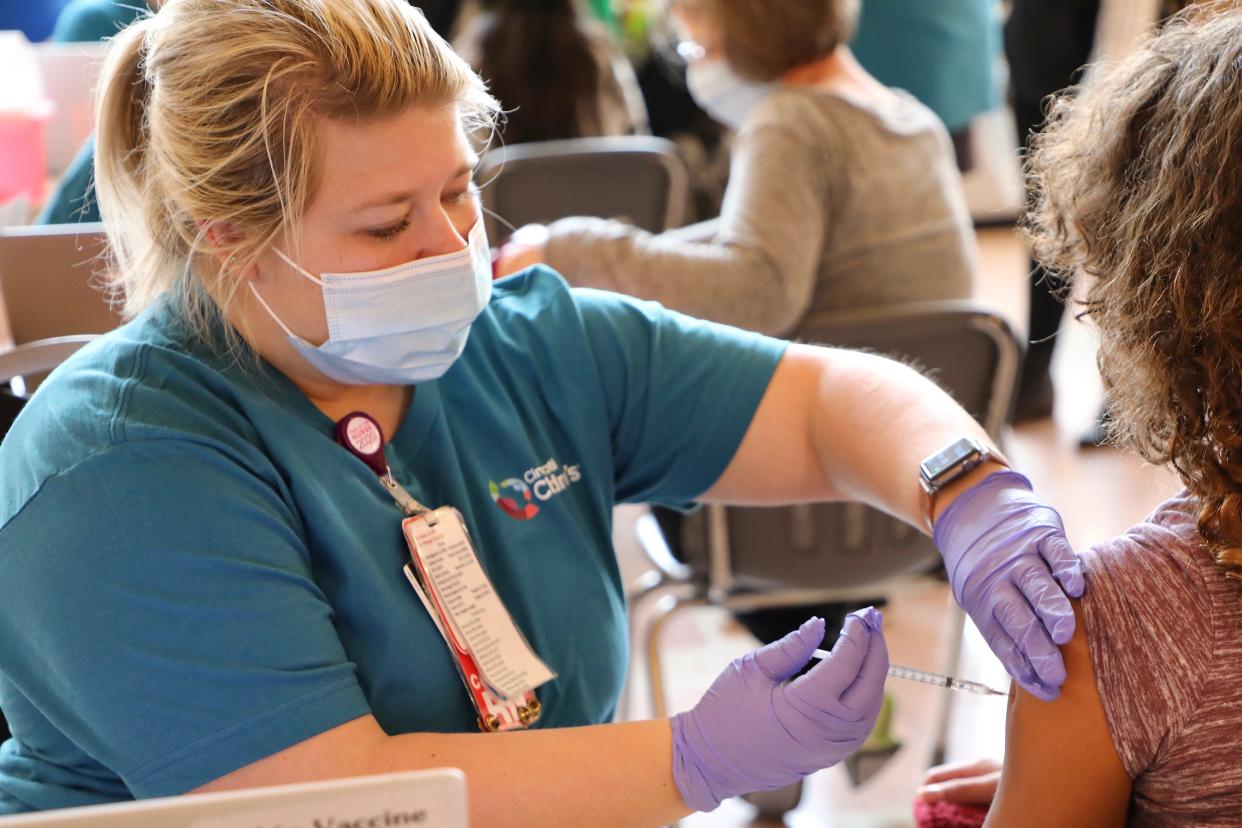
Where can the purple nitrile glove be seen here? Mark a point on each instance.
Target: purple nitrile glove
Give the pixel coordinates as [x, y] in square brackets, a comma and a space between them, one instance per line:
[1003, 547]
[754, 730]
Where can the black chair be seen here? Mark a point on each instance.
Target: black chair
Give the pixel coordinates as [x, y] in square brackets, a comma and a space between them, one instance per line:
[635, 178]
[10, 406]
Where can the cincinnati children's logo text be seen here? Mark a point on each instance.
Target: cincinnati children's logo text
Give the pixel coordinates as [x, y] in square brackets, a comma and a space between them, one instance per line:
[514, 495]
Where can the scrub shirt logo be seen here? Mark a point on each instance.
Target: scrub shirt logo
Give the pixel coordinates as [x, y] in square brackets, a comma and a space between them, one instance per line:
[544, 481]
[509, 505]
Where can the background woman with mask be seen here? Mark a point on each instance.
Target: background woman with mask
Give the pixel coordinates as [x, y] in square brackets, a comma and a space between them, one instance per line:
[201, 541]
[842, 193]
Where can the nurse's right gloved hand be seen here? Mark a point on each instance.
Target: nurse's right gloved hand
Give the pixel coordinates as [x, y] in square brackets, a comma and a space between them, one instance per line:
[754, 730]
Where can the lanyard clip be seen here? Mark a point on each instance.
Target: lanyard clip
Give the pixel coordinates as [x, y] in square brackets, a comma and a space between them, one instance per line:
[404, 499]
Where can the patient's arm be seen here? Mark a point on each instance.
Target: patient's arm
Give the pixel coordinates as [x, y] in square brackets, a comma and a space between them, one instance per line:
[1060, 764]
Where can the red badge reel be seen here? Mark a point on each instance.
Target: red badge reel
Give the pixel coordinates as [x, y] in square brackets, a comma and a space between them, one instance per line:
[363, 438]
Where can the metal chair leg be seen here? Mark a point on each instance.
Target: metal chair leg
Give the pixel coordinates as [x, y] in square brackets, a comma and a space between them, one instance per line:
[644, 586]
[957, 632]
[668, 606]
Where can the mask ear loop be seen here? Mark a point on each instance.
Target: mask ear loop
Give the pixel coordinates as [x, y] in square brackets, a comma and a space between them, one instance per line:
[268, 308]
[498, 218]
[272, 314]
[305, 273]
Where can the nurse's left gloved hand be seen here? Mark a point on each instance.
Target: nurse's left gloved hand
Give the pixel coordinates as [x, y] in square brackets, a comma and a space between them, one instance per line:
[754, 730]
[1005, 551]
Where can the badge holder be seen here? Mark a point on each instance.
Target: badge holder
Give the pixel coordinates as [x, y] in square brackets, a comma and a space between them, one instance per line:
[497, 666]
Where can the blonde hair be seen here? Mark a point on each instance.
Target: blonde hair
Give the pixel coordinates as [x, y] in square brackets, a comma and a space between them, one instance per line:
[764, 39]
[207, 114]
[1139, 187]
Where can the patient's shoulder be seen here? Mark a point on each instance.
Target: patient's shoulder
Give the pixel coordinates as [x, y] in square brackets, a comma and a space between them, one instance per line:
[1148, 598]
[1163, 627]
[1156, 583]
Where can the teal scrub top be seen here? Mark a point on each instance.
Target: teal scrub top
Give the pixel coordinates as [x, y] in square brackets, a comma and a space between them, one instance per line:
[942, 52]
[194, 575]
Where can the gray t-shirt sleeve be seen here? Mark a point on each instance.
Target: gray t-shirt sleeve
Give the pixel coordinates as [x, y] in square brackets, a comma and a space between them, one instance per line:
[759, 269]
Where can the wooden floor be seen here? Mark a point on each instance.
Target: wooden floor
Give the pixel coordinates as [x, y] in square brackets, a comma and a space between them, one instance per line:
[1100, 492]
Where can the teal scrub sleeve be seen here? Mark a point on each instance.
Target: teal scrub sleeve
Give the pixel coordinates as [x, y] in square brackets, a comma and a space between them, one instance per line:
[681, 393]
[160, 601]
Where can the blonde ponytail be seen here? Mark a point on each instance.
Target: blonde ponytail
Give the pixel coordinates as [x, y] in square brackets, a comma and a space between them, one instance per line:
[140, 241]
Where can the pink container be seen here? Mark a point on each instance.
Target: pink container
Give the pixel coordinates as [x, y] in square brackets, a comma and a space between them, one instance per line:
[23, 160]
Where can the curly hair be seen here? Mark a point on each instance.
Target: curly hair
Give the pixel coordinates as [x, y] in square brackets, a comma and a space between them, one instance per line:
[1137, 185]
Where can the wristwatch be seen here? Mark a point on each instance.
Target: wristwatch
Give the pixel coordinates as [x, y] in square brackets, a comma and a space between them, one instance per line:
[950, 463]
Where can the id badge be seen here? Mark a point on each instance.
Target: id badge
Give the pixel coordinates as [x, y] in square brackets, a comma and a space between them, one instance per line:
[492, 714]
[497, 665]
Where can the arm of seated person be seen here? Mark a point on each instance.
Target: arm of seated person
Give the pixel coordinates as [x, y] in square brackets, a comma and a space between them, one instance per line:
[1061, 767]
[599, 775]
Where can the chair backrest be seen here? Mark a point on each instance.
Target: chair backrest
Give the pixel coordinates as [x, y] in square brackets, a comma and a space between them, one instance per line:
[51, 285]
[972, 353]
[636, 178]
[50, 282]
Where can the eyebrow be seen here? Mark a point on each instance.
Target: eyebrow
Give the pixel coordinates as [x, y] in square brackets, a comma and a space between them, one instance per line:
[399, 198]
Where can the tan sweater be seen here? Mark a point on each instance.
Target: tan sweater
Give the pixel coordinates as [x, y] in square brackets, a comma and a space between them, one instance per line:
[831, 205]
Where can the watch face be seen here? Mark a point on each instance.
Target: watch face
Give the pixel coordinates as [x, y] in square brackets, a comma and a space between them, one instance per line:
[949, 458]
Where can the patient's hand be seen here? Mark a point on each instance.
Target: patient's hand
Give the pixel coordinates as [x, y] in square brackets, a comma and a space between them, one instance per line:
[966, 783]
[524, 249]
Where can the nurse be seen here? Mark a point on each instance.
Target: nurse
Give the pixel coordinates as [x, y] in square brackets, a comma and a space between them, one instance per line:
[219, 573]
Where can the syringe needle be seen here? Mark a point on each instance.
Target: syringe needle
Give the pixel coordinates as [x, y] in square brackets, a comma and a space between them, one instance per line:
[976, 687]
[928, 677]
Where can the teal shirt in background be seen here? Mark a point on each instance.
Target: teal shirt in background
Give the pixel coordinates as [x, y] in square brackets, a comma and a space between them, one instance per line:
[86, 21]
[194, 575]
[941, 51]
[74, 200]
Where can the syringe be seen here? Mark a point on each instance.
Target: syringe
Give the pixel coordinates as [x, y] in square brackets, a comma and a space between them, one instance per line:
[927, 677]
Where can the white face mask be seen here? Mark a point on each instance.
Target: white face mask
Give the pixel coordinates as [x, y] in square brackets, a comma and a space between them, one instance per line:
[722, 93]
[399, 326]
